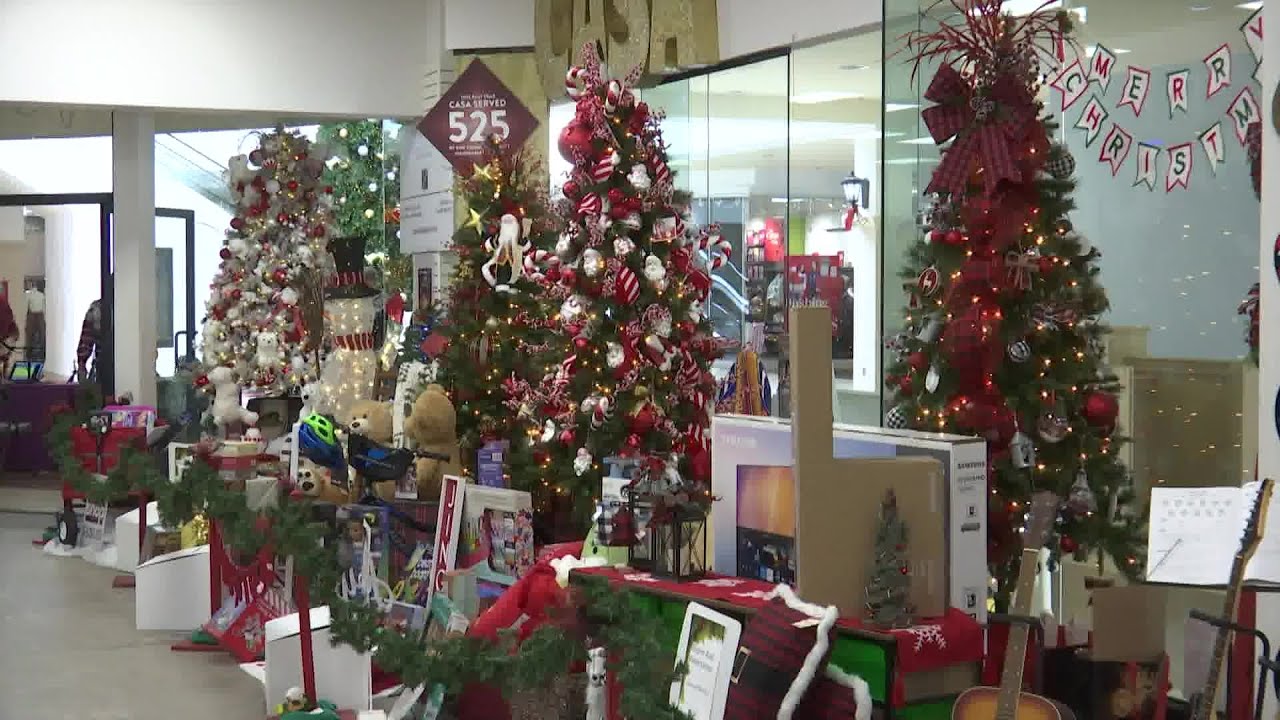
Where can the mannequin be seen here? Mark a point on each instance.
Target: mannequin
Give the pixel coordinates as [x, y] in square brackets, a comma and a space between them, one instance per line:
[35, 327]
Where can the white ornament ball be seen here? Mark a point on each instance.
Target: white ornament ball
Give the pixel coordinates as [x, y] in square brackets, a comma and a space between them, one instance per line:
[363, 151]
[373, 187]
[289, 296]
[343, 132]
[368, 213]
[273, 186]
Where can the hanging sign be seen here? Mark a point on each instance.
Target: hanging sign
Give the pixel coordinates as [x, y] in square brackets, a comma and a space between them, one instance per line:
[1115, 148]
[1072, 83]
[1218, 64]
[1252, 31]
[1148, 155]
[1243, 112]
[426, 194]
[1100, 67]
[1179, 171]
[1176, 89]
[1211, 141]
[1136, 87]
[476, 107]
[1091, 119]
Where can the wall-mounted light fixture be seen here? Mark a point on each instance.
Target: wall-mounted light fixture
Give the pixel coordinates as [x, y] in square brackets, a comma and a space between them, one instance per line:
[857, 190]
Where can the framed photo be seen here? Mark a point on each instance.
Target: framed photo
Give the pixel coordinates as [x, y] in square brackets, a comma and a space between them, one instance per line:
[708, 645]
[180, 455]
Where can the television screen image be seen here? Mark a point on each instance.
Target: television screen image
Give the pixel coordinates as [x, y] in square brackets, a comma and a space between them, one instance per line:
[766, 533]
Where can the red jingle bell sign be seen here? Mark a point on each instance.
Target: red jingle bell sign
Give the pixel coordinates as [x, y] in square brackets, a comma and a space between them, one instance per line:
[476, 107]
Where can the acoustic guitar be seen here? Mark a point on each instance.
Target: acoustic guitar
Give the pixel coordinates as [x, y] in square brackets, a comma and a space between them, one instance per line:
[1203, 703]
[1009, 702]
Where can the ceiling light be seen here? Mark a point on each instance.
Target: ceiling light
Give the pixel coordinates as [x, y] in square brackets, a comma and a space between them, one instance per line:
[1250, 5]
[1200, 8]
[853, 67]
[1026, 7]
[895, 107]
[918, 141]
[1121, 51]
[823, 96]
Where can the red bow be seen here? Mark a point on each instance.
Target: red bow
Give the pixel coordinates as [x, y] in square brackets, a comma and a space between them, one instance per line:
[984, 128]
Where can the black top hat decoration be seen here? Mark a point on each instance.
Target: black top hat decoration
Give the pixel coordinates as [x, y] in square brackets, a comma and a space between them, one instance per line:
[348, 280]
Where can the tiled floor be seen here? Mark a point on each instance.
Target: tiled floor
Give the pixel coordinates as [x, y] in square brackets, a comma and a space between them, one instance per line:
[69, 651]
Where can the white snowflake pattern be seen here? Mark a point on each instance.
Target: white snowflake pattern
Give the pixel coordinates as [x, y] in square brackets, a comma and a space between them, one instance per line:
[756, 594]
[927, 635]
[639, 577]
[720, 582]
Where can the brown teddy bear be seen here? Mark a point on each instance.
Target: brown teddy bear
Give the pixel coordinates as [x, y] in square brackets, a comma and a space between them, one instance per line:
[433, 427]
[316, 482]
[372, 419]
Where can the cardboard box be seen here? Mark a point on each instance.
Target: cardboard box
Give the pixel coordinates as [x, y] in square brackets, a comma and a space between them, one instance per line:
[128, 554]
[835, 532]
[343, 676]
[755, 454]
[1128, 623]
[172, 591]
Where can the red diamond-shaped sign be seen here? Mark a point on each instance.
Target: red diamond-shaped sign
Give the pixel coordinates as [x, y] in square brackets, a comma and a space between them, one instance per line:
[474, 108]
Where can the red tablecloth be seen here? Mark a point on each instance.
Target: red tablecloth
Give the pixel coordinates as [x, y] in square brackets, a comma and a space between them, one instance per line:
[931, 644]
[30, 402]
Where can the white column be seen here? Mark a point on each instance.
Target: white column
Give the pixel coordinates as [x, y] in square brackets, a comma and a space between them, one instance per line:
[134, 233]
[1269, 341]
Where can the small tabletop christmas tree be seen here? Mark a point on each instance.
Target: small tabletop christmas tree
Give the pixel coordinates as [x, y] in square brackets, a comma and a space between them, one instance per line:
[890, 581]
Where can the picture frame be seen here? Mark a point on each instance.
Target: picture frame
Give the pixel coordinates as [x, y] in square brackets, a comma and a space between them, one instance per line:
[707, 649]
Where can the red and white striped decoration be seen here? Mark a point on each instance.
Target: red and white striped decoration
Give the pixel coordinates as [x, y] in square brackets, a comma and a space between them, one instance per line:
[601, 412]
[590, 204]
[719, 249]
[603, 168]
[626, 286]
[356, 341]
[661, 173]
[535, 260]
[574, 81]
[612, 96]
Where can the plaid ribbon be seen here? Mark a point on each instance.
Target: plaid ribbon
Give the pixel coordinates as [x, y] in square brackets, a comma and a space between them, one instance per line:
[1020, 266]
[355, 341]
[984, 137]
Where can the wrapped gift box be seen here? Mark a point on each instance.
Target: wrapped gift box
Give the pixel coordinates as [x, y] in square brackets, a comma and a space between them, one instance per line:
[239, 626]
[172, 591]
[237, 461]
[913, 673]
[343, 676]
[128, 554]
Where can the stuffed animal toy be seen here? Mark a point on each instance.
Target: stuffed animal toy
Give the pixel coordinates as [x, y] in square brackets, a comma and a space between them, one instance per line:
[597, 674]
[226, 408]
[309, 393]
[433, 427]
[316, 482]
[372, 419]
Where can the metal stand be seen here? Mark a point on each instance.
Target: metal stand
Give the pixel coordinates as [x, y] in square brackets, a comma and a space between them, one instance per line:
[1265, 662]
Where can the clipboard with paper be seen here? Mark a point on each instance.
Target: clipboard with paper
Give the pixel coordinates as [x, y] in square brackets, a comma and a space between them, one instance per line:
[1194, 534]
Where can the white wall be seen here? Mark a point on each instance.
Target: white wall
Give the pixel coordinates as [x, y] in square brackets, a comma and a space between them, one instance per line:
[745, 25]
[298, 56]
[71, 250]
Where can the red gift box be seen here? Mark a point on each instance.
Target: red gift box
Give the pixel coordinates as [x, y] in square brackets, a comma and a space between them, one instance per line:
[240, 624]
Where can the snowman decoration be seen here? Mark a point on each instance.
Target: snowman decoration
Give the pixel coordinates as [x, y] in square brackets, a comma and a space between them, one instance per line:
[350, 308]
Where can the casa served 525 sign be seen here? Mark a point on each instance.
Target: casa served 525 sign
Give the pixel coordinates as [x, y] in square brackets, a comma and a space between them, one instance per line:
[474, 108]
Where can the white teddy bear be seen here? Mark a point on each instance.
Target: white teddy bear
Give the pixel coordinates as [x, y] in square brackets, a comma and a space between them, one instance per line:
[309, 394]
[655, 273]
[269, 354]
[226, 407]
[639, 177]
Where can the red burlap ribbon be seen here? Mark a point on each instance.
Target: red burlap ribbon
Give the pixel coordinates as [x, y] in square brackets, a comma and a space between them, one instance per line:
[986, 139]
[356, 341]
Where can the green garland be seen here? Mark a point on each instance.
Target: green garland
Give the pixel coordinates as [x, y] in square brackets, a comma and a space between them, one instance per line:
[646, 670]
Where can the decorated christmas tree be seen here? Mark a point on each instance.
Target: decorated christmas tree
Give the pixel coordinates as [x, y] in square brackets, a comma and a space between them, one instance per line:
[496, 328]
[890, 581]
[365, 176]
[629, 374]
[263, 318]
[1002, 338]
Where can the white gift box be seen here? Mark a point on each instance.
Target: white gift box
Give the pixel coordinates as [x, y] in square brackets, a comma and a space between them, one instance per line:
[343, 676]
[126, 536]
[172, 591]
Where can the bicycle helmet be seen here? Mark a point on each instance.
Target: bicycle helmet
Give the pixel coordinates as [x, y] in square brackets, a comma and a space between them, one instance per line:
[316, 441]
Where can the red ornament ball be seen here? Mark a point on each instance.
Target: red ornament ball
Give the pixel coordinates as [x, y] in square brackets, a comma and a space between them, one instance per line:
[581, 342]
[318, 231]
[282, 218]
[569, 277]
[1068, 544]
[575, 139]
[571, 189]
[1101, 409]
[644, 420]
[938, 237]
[225, 253]
[618, 211]
[918, 360]
[281, 276]
[237, 223]
[904, 383]
[954, 237]
[202, 381]
[616, 196]
[540, 455]
[1046, 264]
[292, 185]
[633, 441]
[904, 570]
[566, 436]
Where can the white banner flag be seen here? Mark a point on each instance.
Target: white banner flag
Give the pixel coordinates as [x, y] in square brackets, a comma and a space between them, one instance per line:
[1137, 85]
[1252, 31]
[1211, 141]
[1176, 88]
[1244, 112]
[1218, 63]
[1091, 119]
[1115, 148]
[1179, 170]
[1072, 83]
[1101, 64]
[1148, 156]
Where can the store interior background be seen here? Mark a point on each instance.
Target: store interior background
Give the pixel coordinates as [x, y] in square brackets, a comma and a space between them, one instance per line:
[764, 146]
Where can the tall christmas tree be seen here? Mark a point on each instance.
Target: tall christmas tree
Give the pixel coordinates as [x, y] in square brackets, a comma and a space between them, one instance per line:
[1002, 338]
[890, 581]
[365, 176]
[263, 317]
[630, 372]
[496, 328]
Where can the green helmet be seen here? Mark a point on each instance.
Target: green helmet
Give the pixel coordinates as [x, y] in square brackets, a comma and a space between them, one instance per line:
[322, 426]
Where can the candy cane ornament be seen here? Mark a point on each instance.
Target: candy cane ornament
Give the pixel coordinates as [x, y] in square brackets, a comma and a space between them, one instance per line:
[575, 82]
[612, 96]
[603, 168]
[719, 249]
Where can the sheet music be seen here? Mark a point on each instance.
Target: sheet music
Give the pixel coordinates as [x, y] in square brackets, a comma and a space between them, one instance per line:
[1193, 534]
